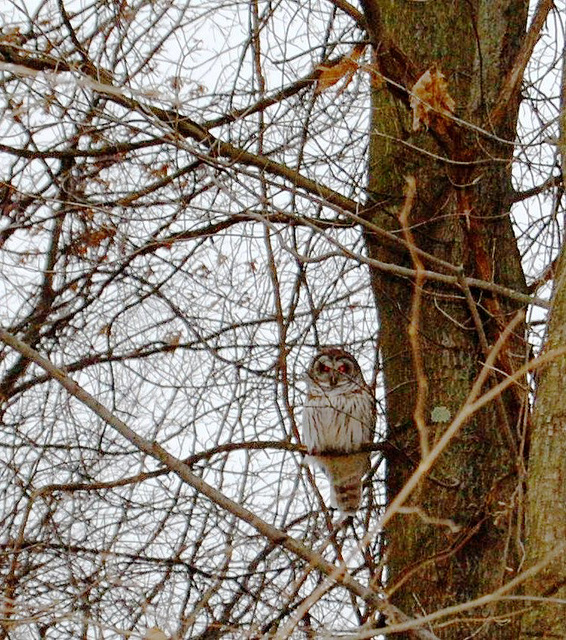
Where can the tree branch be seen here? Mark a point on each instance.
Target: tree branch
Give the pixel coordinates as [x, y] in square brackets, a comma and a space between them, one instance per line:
[351, 11]
[513, 81]
[549, 183]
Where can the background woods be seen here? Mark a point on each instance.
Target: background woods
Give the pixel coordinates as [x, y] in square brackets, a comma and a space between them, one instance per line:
[195, 197]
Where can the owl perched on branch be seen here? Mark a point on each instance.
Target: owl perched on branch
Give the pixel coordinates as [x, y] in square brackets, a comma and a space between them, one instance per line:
[338, 417]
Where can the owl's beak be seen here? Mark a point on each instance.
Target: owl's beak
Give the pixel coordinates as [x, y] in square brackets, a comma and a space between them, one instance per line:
[333, 378]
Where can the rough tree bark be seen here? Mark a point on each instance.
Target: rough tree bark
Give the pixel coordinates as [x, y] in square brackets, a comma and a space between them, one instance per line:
[546, 484]
[460, 215]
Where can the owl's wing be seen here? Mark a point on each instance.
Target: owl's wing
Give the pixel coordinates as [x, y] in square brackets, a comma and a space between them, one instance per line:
[370, 411]
[309, 427]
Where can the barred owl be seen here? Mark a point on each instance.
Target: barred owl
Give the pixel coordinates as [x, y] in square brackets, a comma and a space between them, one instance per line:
[339, 416]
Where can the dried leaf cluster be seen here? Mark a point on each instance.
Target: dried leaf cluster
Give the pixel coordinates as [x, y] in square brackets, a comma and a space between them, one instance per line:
[331, 74]
[430, 99]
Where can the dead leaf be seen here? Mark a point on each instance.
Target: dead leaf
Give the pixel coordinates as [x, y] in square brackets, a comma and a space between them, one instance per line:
[105, 330]
[345, 68]
[91, 238]
[430, 98]
[160, 172]
[173, 338]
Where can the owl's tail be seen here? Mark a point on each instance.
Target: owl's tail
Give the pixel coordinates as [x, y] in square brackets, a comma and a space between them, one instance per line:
[345, 474]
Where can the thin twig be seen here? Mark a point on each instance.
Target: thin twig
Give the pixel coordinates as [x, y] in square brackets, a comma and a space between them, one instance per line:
[500, 406]
[413, 330]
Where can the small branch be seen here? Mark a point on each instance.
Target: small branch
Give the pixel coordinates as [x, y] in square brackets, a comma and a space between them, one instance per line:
[401, 271]
[550, 183]
[306, 82]
[229, 447]
[351, 11]
[500, 406]
[514, 78]
[547, 275]
[102, 152]
[465, 536]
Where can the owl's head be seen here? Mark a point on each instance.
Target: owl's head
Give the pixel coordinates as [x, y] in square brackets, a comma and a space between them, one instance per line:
[333, 368]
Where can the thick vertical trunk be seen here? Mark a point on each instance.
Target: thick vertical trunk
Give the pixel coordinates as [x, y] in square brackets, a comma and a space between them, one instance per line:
[546, 513]
[461, 216]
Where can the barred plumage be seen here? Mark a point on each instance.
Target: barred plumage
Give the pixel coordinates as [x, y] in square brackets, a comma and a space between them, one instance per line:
[339, 416]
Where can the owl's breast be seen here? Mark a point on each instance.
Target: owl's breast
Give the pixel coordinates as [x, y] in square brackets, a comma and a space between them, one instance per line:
[337, 422]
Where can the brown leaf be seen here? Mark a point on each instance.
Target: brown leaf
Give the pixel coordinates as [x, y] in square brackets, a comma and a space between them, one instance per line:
[430, 98]
[106, 330]
[173, 338]
[345, 68]
[91, 238]
[160, 172]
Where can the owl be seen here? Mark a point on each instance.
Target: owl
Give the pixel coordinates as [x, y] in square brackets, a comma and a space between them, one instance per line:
[339, 416]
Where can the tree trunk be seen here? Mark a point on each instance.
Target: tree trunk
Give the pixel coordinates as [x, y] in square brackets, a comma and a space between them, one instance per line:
[460, 215]
[546, 512]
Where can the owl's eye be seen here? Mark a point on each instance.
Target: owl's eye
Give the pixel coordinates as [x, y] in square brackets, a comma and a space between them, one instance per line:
[324, 367]
[343, 368]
